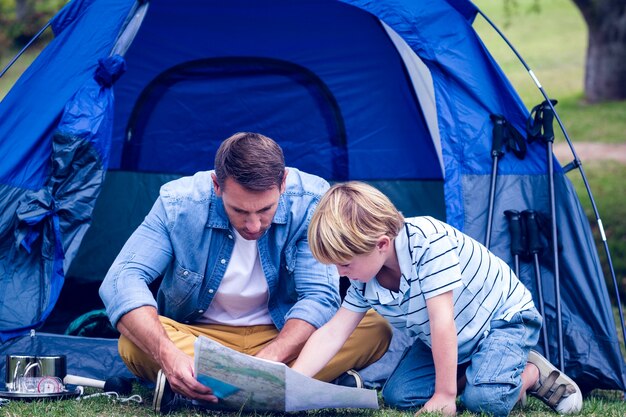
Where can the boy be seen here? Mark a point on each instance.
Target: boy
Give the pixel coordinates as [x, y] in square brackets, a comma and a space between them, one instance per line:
[467, 311]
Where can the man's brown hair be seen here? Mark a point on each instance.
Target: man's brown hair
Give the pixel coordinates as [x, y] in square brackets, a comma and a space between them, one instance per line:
[254, 161]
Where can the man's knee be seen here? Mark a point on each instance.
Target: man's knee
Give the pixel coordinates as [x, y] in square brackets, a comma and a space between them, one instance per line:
[376, 330]
[138, 362]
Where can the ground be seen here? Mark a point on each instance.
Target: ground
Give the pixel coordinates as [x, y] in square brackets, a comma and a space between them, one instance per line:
[591, 151]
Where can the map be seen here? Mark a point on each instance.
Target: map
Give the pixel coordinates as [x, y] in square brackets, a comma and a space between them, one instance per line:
[244, 382]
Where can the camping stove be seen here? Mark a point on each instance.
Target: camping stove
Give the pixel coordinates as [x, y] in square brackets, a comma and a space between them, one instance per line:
[35, 374]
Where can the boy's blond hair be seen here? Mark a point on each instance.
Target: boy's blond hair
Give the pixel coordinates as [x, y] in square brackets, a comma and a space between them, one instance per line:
[349, 220]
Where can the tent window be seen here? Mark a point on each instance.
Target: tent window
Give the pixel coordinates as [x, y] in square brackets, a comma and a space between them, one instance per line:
[205, 101]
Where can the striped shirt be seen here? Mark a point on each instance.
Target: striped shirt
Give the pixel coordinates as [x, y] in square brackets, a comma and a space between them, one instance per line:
[435, 258]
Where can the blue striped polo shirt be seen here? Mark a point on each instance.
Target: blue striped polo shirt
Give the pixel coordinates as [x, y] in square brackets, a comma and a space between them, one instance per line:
[435, 258]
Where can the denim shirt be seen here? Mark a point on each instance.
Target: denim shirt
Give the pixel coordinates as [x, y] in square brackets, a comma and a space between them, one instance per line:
[187, 238]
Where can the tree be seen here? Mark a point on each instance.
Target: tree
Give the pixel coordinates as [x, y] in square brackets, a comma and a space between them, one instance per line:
[605, 68]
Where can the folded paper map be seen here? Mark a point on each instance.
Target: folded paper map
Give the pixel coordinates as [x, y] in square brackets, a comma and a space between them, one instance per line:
[243, 382]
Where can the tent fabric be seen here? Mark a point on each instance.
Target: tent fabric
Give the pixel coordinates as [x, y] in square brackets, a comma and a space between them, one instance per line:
[89, 357]
[50, 222]
[583, 334]
[350, 90]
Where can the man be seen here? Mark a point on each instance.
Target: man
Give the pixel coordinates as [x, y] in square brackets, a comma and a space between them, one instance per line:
[231, 246]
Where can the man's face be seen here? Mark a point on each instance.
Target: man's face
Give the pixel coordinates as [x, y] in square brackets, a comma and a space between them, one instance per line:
[250, 212]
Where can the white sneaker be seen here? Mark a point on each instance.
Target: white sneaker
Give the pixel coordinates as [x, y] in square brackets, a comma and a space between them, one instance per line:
[554, 388]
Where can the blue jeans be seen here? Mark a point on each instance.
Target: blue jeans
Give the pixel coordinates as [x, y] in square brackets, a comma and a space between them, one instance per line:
[493, 372]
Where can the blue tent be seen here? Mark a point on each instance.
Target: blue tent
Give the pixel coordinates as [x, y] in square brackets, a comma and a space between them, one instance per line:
[398, 93]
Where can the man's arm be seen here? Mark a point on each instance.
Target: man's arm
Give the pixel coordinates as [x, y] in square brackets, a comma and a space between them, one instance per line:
[445, 354]
[326, 342]
[289, 342]
[142, 327]
[131, 306]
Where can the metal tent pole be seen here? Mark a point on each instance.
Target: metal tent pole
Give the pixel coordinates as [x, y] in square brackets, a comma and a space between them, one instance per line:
[30, 42]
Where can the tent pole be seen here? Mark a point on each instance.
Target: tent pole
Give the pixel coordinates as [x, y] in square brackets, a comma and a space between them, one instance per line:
[577, 163]
[534, 247]
[496, 154]
[30, 42]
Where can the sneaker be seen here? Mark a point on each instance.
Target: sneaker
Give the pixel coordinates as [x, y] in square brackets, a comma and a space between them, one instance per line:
[350, 378]
[165, 400]
[554, 388]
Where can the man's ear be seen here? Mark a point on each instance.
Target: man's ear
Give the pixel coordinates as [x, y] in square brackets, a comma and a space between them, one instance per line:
[218, 189]
[283, 185]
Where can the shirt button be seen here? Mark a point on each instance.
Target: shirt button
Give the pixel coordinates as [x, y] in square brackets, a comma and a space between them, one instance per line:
[200, 311]
[185, 273]
[211, 291]
[230, 236]
[223, 261]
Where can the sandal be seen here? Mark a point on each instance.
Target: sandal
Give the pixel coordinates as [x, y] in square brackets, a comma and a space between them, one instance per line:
[554, 388]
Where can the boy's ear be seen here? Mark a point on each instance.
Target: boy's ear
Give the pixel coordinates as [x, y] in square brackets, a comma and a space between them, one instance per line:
[383, 243]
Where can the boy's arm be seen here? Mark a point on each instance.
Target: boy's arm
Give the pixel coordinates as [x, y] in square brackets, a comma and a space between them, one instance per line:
[326, 342]
[445, 354]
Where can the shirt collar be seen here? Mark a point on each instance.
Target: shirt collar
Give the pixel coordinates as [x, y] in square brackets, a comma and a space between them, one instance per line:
[405, 260]
[375, 291]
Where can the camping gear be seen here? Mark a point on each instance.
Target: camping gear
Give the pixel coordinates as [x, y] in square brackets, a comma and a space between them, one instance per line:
[504, 135]
[517, 238]
[35, 374]
[130, 95]
[575, 163]
[534, 247]
[496, 154]
[32, 377]
[119, 385]
[540, 128]
[36, 377]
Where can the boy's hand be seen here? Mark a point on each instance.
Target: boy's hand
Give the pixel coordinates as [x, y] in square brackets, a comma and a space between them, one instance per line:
[439, 403]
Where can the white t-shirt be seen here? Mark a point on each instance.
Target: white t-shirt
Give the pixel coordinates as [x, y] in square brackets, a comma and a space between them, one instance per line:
[241, 299]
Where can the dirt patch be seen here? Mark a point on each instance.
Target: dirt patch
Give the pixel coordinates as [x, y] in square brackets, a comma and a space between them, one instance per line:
[591, 151]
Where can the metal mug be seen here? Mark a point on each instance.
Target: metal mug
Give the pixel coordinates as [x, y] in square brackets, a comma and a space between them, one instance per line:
[35, 374]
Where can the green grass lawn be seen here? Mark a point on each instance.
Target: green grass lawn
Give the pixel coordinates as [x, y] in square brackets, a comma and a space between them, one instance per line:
[609, 188]
[553, 43]
[598, 404]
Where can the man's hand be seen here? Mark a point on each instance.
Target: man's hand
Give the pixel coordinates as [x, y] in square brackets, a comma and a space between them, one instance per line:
[179, 371]
[440, 403]
[142, 327]
[289, 342]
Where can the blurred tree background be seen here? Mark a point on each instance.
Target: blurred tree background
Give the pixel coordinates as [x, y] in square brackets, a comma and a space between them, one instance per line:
[20, 20]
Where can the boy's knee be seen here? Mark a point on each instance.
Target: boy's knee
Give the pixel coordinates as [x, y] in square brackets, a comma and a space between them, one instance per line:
[487, 399]
[396, 396]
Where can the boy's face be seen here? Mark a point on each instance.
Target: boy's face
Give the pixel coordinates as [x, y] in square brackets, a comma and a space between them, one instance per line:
[250, 212]
[364, 267]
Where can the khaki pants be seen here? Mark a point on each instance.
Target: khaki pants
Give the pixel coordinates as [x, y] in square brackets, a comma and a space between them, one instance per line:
[366, 345]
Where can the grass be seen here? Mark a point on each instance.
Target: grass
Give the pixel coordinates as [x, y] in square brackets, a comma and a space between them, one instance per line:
[553, 43]
[605, 404]
[608, 188]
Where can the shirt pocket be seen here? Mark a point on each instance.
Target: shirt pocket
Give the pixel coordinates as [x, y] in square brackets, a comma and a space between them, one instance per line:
[183, 283]
[502, 362]
[290, 252]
